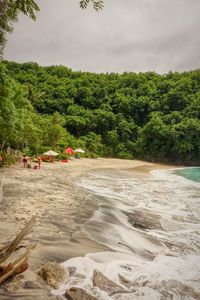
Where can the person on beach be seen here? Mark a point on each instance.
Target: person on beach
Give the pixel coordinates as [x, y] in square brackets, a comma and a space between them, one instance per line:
[29, 162]
[25, 161]
[39, 160]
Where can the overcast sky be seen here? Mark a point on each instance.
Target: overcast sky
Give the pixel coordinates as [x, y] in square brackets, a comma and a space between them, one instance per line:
[128, 35]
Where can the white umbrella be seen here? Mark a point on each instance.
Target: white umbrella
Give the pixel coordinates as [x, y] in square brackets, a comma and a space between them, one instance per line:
[79, 150]
[51, 153]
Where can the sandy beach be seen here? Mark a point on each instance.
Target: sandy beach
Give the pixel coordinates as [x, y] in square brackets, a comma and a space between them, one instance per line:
[148, 217]
[60, 205]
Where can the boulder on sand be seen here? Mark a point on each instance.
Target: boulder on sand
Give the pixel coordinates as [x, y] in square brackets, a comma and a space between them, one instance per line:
[12, 285]
[76, 293]
[105, 284]
[126, 282]
[53, 274]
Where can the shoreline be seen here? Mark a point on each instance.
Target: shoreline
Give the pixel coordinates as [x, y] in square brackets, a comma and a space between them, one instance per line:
[60, 205]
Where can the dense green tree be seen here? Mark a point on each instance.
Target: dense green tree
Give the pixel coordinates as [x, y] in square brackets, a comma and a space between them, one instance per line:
[55, 132]
[143, 115]
[12, 103]
[93, 143]
[154, 140]
[187, 140]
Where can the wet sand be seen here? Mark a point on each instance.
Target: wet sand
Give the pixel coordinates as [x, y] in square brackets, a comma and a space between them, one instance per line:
[61, 206]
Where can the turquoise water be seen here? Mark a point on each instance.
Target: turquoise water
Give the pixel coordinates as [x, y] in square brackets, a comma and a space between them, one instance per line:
[190, 173]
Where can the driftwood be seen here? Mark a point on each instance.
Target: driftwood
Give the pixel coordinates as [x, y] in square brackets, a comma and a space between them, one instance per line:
[20, 264]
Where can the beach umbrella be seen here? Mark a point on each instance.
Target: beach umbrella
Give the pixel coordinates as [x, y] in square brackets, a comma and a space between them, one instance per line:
[50, 153]
[69, 151]
[79, 150]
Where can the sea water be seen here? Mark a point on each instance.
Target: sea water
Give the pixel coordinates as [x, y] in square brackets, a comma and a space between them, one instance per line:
[151, 224]
[190, 173]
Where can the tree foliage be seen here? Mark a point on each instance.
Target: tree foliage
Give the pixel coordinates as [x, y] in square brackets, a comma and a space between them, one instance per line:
[10, 10]
[146, 115]
[97, 4]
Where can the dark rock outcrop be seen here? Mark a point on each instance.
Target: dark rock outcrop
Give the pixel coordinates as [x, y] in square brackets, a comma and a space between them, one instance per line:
[78, 294]
[105, 284]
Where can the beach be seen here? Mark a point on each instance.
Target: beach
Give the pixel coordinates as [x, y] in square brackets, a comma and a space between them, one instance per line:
[70, 224]
[52, 195]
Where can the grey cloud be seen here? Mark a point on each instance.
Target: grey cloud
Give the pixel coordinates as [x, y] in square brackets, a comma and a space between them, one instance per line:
[131, 35]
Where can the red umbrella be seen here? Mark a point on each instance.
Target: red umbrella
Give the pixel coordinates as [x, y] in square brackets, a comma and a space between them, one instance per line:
[69, 151]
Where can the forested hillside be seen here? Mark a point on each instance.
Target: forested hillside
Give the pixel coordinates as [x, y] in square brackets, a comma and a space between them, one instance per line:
[146, 115]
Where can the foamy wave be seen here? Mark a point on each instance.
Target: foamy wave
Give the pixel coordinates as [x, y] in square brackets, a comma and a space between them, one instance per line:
[152, 227]
[165, 277]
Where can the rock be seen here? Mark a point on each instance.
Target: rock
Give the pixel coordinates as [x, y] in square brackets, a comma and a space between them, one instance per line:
[76, 293]
[124, 281]
[12, 285]
[32, 285]
[144, 220]
[72, 271]
[53, 274]
[105, 284]
[81, 276]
